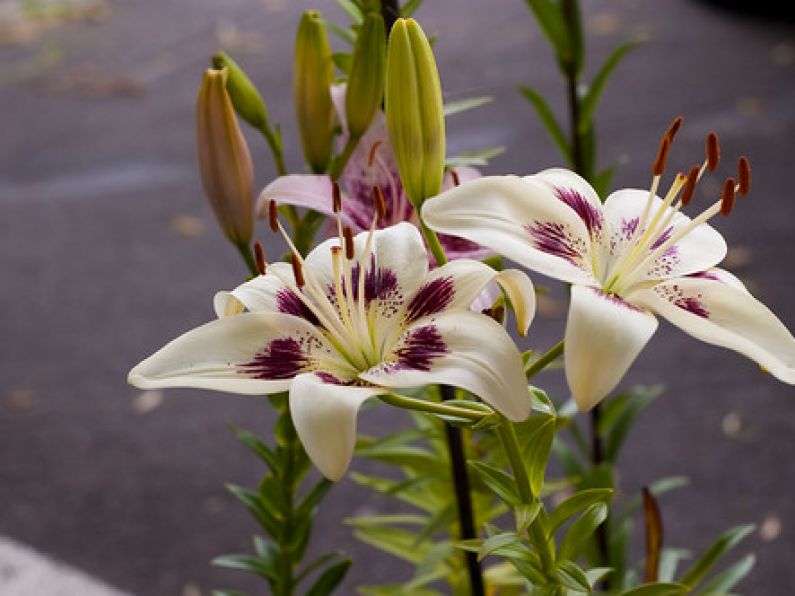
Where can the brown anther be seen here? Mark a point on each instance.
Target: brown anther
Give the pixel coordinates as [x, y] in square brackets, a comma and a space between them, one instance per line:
[298, 271]
[454, 176]
[378, 201]
[347, 235]
[674, 128]
[336, 197]
[259, 257]
[371, 155]
[713, 151]
[273, 216]
[727, 199]
[744, 175]
[658, 167]
[690, 185]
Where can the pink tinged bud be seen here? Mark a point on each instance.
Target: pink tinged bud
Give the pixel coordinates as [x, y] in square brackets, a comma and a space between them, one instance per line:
[225, 165]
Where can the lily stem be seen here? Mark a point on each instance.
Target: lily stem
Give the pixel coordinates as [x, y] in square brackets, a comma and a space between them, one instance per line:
[248, 257]
[466, 517]
[274, 142]
[339, 162]
[597, 458]
[420, 405]
[544, 360]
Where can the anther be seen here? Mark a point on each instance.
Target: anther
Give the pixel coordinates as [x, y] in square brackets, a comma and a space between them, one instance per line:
[378, 200]
[371, 155]
[454, 176]
[744, 176]
[347, 234]
[690, 185]
[658, 167]
[674, 128]
[298, 272]
[336, 197]
[727, 199]
[259, 257]
[713, 151]
[273, 215]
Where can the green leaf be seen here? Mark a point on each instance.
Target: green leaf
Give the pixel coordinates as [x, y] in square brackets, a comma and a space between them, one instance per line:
[657, 589]
[344, 34]
[581, 531]
[603, 179]
[352, 9]
[550, 19]
[669, 561]
[329, 579]
[570, 575]
[657, 488]
[548, 119]
[502, 484]
[394, 541]
[568, 459]
[537, 454]
[597, 87]
[462, 105]
[575, 504]
[313, 498]
[473, 158]
[638, 399]
[526, 514]
[343, 61]
[498, 542]
[264, 452]
[252, 502]
[317, 564]
[723, 582]
[248, 563]
[388, 519]
[442, 518]
[409, 7]
[713, 554]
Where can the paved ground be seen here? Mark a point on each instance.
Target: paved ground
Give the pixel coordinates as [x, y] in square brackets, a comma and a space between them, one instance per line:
[107, 250]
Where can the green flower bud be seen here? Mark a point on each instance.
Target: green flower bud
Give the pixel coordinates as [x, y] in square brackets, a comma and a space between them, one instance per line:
[225, 165]
[244, 95]
[312, 80]
[366, 80]
[414, 112]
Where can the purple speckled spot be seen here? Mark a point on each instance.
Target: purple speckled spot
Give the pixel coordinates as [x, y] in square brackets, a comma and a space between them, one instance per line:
[628, 227]
[662, 238]
[328, 378]
[615, 299]
[705, 275]
[282, 358]
[421, 347]
[379, 282]
[692, 305]
[590, 215]
[433, 297]
[289, 303]
[553, 238]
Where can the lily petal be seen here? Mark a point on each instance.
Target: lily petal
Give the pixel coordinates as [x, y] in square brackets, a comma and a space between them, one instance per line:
[458, 284]
[701, 249]
[573, 190]
[717, 311]
[519, 218]
[301, 190]
[462, 349]
[251, 353]
[264, 293]
[324, 414]
[604, 335]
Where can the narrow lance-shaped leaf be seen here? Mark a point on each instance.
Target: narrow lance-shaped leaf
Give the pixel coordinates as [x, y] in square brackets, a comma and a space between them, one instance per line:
[570, 575]
[597, 87]
[550, 19]
[537, 451]
[581, 531]
[709, 559]
[575, 504]
[654, 535]
[548, 119]
[502, 484]
[329, 579]
[724, 581]
[657, 589]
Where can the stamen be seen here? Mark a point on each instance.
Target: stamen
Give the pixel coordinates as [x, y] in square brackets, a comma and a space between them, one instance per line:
[674, 128]
[273, 215]
[259, 257]
[298, 271]
[347, 234]
[690, 185]
[713, 151]
[336, 197]
[380, 204]
[454, 176]
[371, 156]
[727, 199]
[658, 167]
[744, 176]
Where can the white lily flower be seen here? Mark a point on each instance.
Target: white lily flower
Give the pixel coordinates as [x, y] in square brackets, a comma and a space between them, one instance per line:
[334, 336]
[629, 259]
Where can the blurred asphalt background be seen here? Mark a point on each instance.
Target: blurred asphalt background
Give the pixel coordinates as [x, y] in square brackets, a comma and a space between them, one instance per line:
[108, 250]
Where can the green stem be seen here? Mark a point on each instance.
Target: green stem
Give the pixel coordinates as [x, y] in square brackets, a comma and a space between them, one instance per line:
[276, 148]
[339, 162]
[420, 405]
[545, 360]
[433, 243]
[597, 458]
[571, 15]
[248, 257]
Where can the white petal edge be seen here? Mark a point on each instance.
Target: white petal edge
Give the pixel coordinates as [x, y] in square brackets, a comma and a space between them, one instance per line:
[259, 294]
[563, 178]
[734, 320]
[208, 356]
[493, 211]
[481, 357]
[604, 336]
[301, 190]
[324, 416]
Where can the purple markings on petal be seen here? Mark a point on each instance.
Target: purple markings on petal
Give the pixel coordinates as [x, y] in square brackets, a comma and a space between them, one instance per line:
[692, 305]
[662, 238]
[421, 347]
[289, 303]
[379, 282]
[554, 239]
[590, 215]
[328, 378]
[282, 358]
[615, 299]
[705, 275]
[433, 297]
[628, 227]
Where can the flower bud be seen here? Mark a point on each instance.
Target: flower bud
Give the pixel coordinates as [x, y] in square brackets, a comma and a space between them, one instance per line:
[244, 95]
[312, 78]
[224, 161]
[414, 111]
[366, 80]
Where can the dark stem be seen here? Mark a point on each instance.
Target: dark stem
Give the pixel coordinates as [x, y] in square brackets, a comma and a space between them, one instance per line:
[466, 519]
[571, 13]
[597, 458]
[390, 10]
[288, 494]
